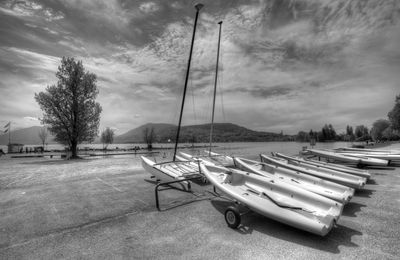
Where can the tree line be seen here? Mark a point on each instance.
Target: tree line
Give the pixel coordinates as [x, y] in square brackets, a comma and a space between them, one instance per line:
[381, 130]
[72, 115]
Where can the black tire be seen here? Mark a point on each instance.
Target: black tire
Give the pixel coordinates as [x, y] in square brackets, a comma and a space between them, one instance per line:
[232, 217]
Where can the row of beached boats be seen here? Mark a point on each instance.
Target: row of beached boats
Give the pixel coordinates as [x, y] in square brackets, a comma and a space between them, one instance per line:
[304, 193]
[359, 157]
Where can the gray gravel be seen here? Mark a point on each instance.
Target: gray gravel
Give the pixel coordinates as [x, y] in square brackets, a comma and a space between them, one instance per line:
[104, 209]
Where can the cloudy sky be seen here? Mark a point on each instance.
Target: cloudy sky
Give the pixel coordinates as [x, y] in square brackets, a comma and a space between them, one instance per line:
[284, 65]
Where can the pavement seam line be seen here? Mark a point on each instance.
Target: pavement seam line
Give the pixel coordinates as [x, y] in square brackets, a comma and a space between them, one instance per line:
[108, 184]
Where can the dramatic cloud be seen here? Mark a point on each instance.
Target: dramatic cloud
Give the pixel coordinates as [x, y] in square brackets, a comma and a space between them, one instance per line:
[284, 65]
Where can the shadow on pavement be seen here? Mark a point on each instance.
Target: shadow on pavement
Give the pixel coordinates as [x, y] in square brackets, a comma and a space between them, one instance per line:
[351, 208]
[339, 235]
[390, 168]
[59, 161]
[366, 193]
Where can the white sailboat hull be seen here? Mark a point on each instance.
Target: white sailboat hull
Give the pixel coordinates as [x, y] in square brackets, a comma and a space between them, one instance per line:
[224, 160]
[349, 159]
[363, 150]
[341, 178]
[170, 171]
[325, 188]
[204, 160]
[337, 167]
[383, 156]
[276, 200]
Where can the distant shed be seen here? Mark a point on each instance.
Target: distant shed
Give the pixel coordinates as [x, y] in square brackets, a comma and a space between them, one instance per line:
[15, 148]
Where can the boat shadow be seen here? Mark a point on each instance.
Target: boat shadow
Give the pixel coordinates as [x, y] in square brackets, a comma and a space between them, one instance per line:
[372, 182]
[155, 182]
[390, 168]
[365, 193]
[339, 236]
[351, 208]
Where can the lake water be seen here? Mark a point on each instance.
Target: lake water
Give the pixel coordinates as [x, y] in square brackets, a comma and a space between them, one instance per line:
[252, 150]
[245, 149]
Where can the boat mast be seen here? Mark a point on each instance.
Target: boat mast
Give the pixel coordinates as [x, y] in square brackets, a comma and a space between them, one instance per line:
[9, 133]
[215, 85]
[198, 7]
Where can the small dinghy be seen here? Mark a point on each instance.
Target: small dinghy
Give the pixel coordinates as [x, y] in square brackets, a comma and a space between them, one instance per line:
[332, 166]
[338, 177]
[313, 184]
[273, 199]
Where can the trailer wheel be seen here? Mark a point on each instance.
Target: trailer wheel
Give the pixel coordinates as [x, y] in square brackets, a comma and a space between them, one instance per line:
[232, 217]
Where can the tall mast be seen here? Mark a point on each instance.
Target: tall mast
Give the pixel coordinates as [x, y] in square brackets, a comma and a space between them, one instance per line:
[215, 85]
[198, 7]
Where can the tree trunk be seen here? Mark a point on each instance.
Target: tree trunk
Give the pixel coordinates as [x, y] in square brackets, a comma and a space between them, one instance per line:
[74, 146]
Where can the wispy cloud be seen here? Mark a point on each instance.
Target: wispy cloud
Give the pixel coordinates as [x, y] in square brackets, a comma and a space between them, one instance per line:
[284, 65]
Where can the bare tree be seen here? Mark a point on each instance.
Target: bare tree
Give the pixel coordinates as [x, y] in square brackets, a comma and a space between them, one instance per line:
[149, 136]
[43, 134]
[107, 137]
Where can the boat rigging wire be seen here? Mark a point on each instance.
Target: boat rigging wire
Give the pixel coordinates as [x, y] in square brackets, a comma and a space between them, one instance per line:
[220, 84]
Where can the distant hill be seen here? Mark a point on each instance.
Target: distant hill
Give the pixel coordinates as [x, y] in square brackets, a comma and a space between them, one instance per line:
[223, 132]
[28, 135]
[162, 132]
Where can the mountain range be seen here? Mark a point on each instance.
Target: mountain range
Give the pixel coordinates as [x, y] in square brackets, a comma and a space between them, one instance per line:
[222, 132]
[163, 133]
[28, 135]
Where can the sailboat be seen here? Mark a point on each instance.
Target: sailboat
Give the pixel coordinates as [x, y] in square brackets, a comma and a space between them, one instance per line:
[359, 161]
[176, 170]
[342, 178]
[274, 199]
[308, 182]
[212, 158]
